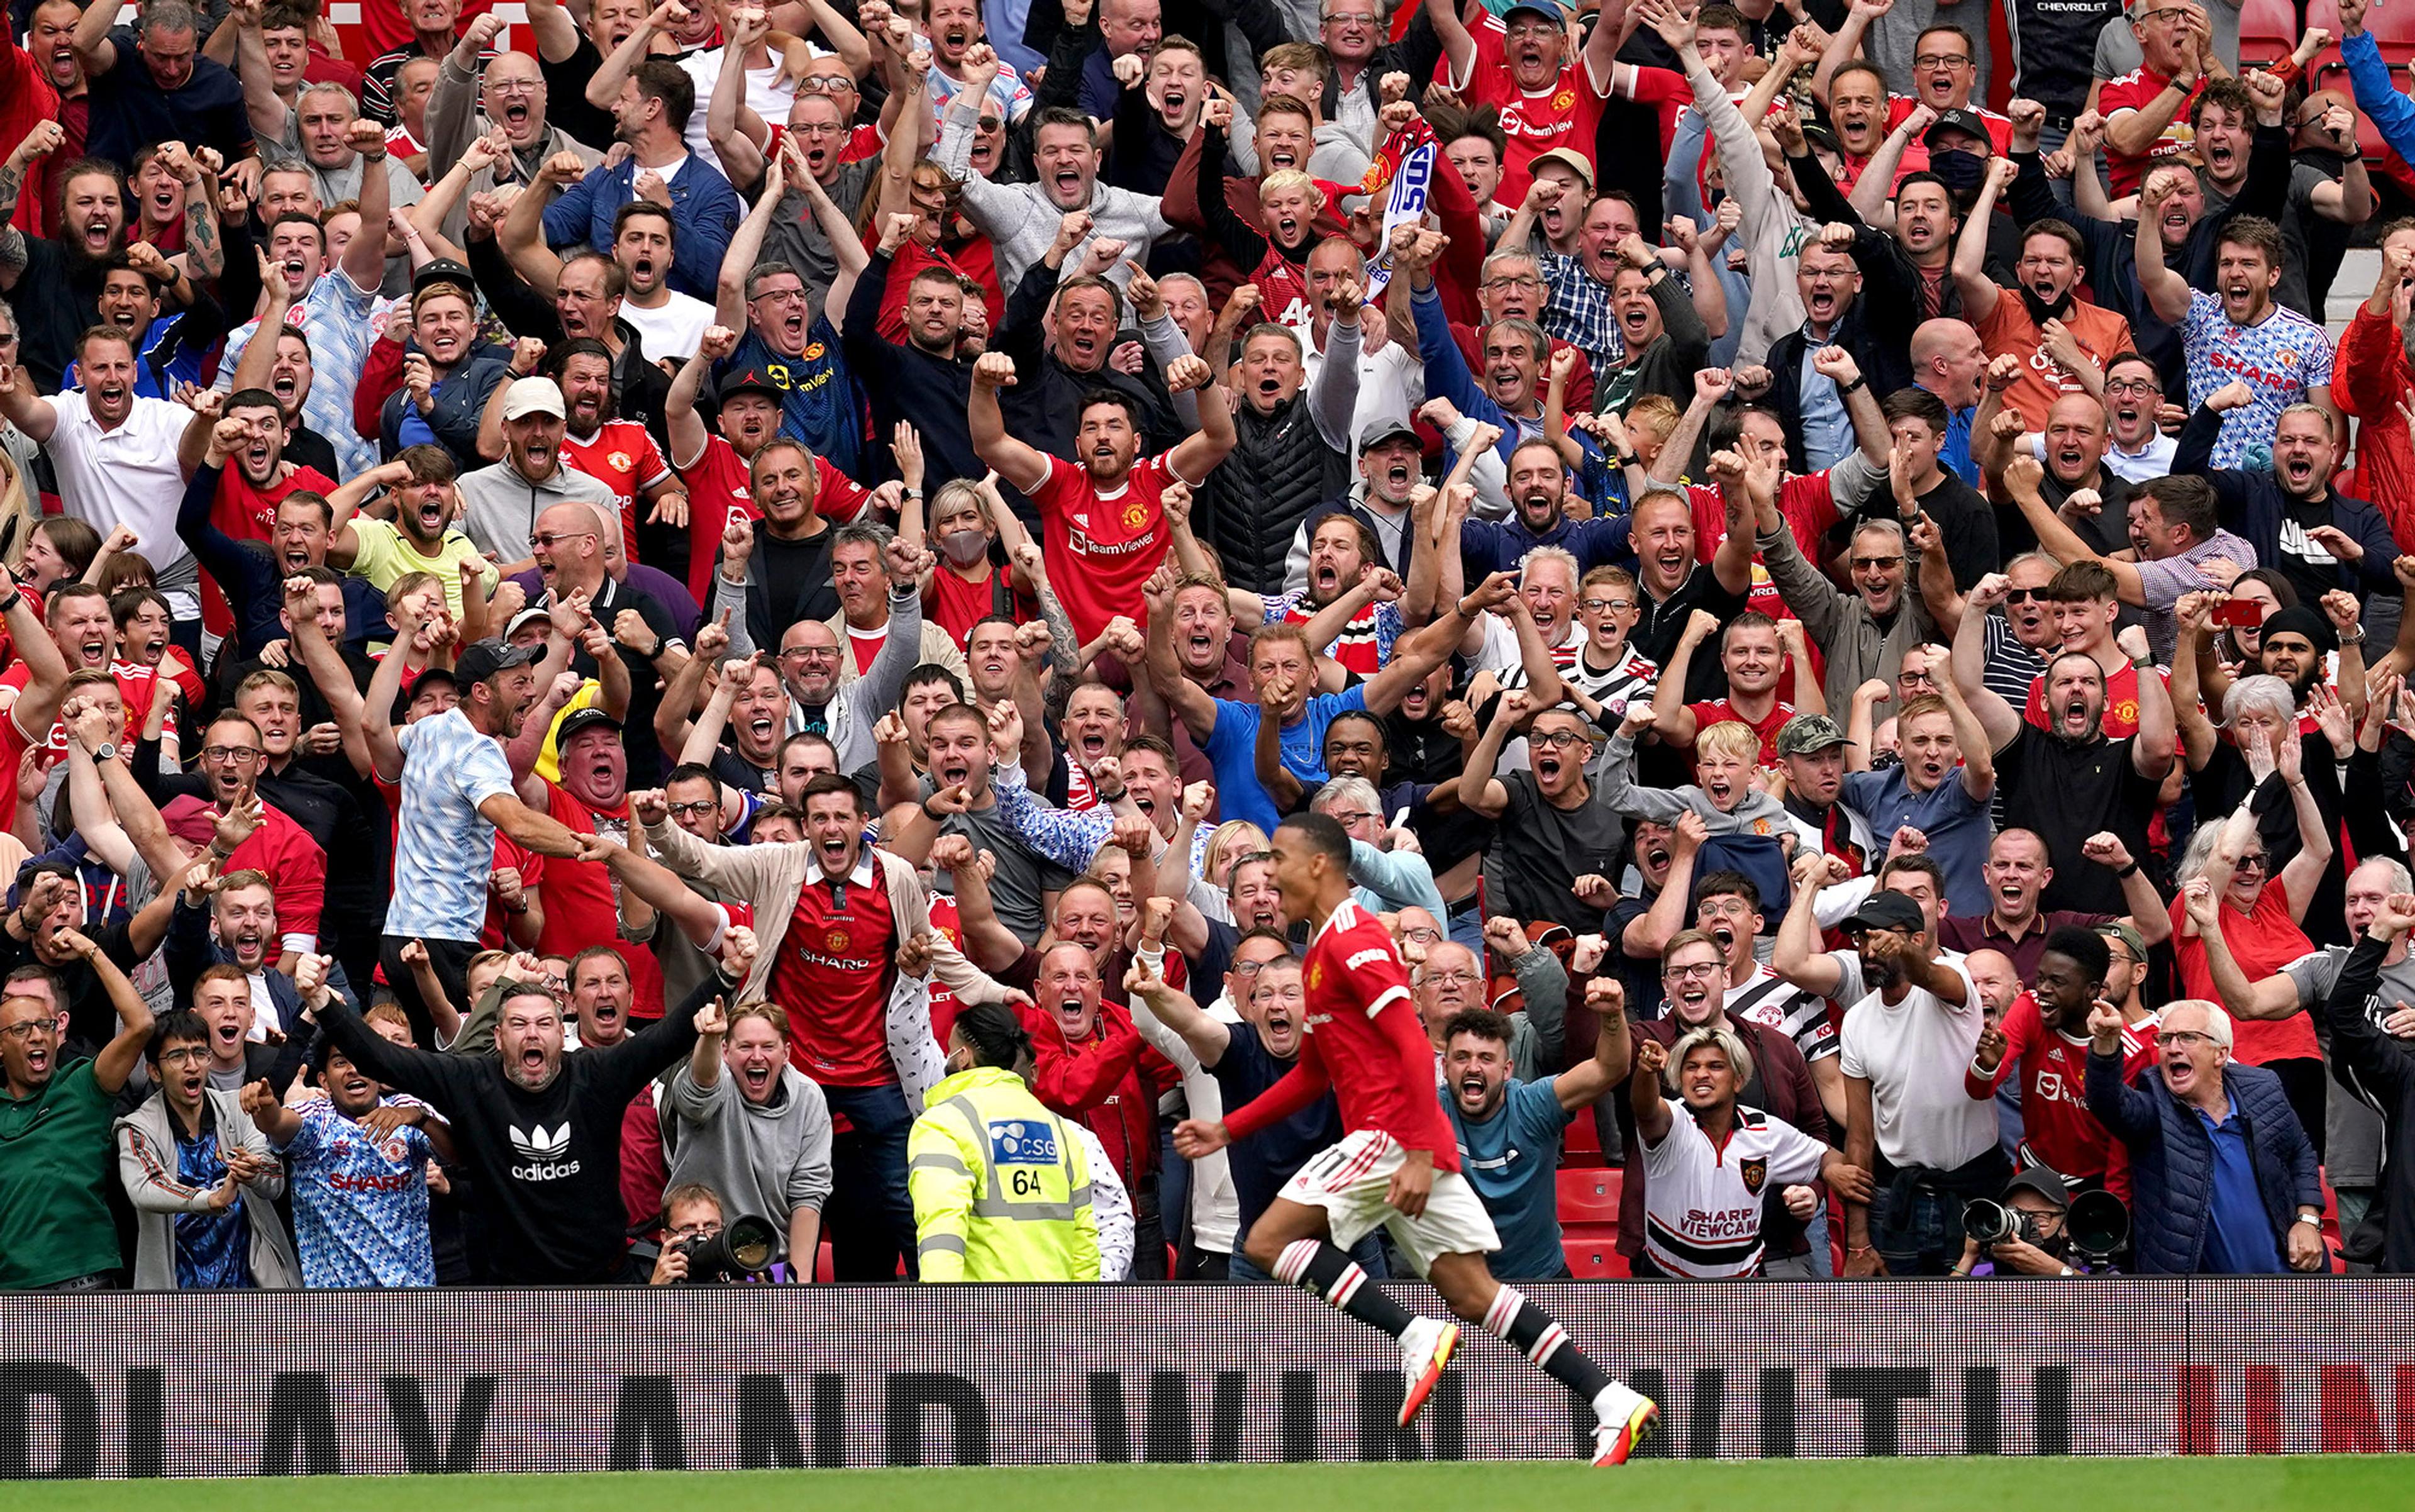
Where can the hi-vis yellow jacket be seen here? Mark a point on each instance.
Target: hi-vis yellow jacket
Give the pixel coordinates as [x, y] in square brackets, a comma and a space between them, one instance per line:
[1001, 1186]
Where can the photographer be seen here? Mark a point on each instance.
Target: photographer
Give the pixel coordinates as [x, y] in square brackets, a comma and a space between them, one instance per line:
[2033, 1217]
[750, 1124]
[698, 1250]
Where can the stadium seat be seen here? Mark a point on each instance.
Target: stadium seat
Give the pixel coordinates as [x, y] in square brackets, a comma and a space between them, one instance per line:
[1581, 1147]
[1589, 1195]
[1593, 1252]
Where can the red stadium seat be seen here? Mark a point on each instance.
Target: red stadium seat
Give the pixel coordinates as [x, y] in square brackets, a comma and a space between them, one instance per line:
[1593, 1252]
[1581, 1147]
[1589, 1196]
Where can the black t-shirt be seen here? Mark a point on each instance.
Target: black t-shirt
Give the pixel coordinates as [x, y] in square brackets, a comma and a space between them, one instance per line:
[1661, 623]
[304, 447]
[129, 110]
[1540, 850]
[1968, 522]
[2055, 49]
[2067, 793]
[1264, 1162]
[797, 583]
[565, 90]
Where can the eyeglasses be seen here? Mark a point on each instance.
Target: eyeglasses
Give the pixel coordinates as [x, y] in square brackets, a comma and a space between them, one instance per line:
[549, 539]
[184, 1055]
[1561, 739]
[31, 1027]
[1346, 817]
[826, 83]
[1422, 934]
[2253, 861]
[231, 753]
[2133, 385]
[2022, 595]
[780, 296]
[1530, 30]
[1514, 281]
[818, 128]
[990, 123]
[1940, 60]
[508, 87]
[1246, 969]
[2169, 1037]
[694, 1230]
[2120, 957]
[1909, 676]
[809, 654]
[1456, 976]
[1605, 606]
[1351, 19]
[690, 811]
[1874, 563]
[1705, 969]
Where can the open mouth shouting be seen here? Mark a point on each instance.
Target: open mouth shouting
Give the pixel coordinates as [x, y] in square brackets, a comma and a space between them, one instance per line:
[226, 1044]
[1549, 765]
[2296, 471]
[1071, 1011]
[2074, 715]
[1690, 997]
[754, 1079]
[91, 650]
[516, 118]
[2176, 218]
[97, 232]
[1635, 321]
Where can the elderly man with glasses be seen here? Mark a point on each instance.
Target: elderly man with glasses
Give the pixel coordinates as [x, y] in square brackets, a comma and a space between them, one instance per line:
[1453, 979]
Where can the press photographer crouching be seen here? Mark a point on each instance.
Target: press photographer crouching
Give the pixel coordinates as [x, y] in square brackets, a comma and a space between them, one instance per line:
[702, 1249]
[2038, 1228]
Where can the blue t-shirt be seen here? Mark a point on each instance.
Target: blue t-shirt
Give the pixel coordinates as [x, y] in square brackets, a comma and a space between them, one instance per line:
[1955, 823]
[1233, 752]
[360, 1205]
[1512, 1159]
[819, 404]
[1261, 1164]
[213, 1248]
[2238, 1231]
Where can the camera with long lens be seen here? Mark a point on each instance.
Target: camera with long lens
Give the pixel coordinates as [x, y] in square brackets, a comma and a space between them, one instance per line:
[745, 1246]
[2099, 1225]
[1990, 1222]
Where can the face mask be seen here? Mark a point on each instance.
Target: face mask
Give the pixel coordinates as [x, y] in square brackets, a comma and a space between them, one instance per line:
[2040, 311]
[964, 548]
[1962, 172]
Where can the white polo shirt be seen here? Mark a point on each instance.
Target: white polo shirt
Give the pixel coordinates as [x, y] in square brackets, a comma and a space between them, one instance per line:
[128, 476]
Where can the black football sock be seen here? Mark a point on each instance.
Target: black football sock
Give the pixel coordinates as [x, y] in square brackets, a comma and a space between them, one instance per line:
[1325, 1271]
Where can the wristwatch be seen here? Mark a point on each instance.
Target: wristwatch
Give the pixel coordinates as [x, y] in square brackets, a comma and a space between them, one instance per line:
[107, 752]
[2315, 1218]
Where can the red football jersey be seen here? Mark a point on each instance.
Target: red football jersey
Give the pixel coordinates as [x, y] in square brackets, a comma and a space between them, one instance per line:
[1362, 1037]
[2056, 1125]
[1100, 547]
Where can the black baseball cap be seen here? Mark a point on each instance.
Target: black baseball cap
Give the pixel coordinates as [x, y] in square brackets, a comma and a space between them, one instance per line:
[2045, 1181]
[1886, 910]
[745, 379]
[1970, 123]
[582, 719]
[443, 270]
[486, 658]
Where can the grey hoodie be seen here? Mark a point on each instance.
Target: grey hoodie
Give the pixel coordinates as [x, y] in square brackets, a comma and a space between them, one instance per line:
[767, 1160]
[146, 1164]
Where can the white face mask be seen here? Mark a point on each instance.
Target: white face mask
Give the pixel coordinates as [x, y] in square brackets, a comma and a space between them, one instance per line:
[964, 548]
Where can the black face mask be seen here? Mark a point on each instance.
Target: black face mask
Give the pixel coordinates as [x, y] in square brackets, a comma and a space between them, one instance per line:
[2040, 311]
[1962, 172]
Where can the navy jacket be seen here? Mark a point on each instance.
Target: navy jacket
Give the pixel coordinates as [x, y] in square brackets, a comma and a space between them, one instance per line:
[705, 212]
[460, 400]
[2251, 505]
[2171, 1157]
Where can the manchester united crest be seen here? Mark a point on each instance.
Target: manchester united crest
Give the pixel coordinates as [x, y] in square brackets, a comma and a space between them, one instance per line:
[1134, 517]
[835, 941]
[1754, 1173]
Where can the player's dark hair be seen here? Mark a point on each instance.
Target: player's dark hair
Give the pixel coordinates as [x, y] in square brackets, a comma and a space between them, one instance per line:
[1728, 885]
[1325, 836]
[183, 1024]
[2086, 948]
[827, 782]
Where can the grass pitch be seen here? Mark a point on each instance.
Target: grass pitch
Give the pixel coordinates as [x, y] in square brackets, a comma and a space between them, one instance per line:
[2208, 1485]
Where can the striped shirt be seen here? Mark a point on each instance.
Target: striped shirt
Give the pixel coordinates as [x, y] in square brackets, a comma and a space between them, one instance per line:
[1771, 1001]
[443, 846]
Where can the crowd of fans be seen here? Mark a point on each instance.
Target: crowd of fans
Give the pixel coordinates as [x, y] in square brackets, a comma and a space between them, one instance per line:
[670, 651]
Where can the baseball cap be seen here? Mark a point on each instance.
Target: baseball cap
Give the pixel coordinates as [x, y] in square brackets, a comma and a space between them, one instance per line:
[533, 395]
[1886, 910]
[1545, 8]
[1380, 431]
[2132, 941]
[523, 620]
[443, 270]
[1567, 157]
[486, 658]
[744, 379]
[1806, 733]
[582, 719]
[1970, 123]
[2045, 1181]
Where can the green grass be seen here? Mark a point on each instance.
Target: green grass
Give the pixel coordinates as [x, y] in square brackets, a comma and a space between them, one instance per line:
[2209, 1485]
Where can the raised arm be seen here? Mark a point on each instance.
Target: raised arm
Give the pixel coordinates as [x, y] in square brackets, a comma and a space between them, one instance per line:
[1979, 291]
[2167, 291]
[2001, 720]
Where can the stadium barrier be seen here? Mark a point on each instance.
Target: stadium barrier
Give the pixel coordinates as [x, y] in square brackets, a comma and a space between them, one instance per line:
[334, 1382]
